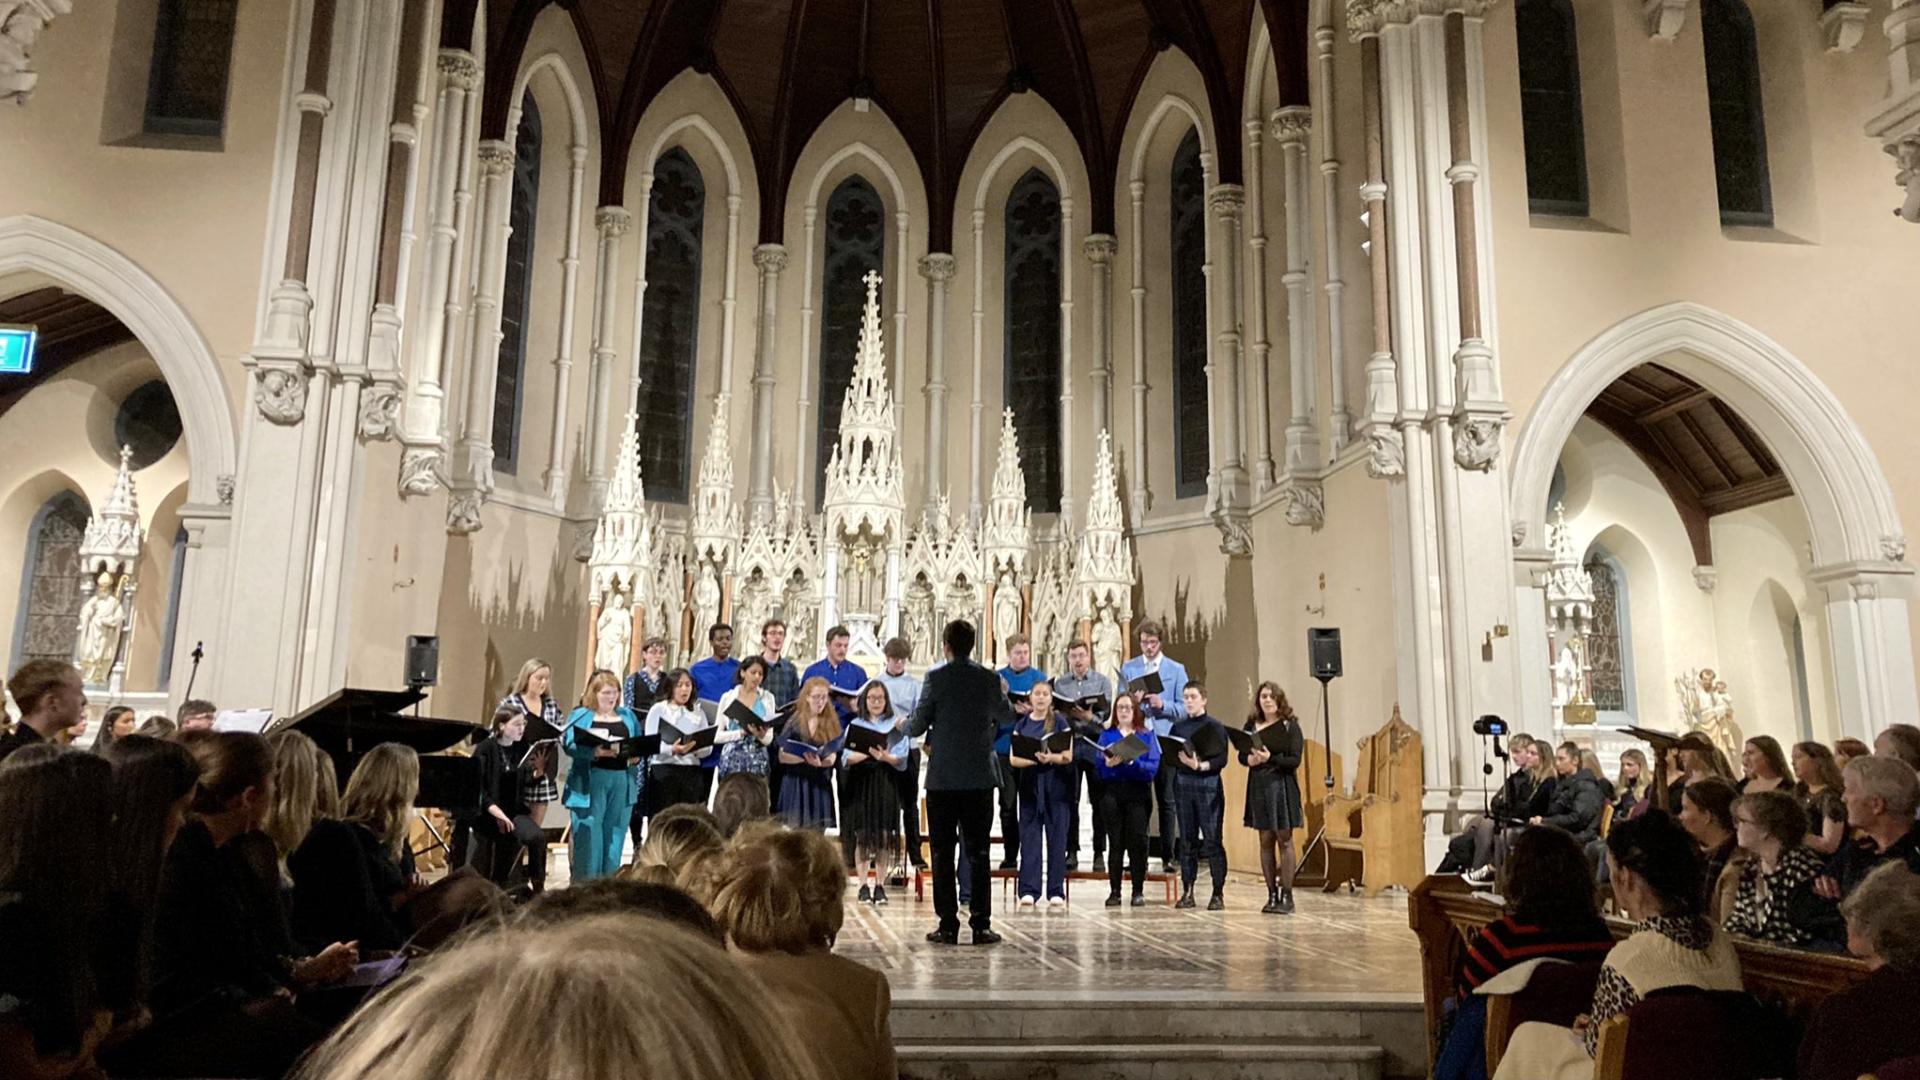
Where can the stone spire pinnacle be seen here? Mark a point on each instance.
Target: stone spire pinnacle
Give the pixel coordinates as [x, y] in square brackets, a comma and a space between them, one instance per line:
[864, 475]
[112, 539]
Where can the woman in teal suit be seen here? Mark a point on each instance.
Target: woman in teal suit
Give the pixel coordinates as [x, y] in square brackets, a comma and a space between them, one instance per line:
[600, 786]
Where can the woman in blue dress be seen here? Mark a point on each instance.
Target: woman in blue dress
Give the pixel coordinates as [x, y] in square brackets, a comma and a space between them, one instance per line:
[806, 784]
[600, 785]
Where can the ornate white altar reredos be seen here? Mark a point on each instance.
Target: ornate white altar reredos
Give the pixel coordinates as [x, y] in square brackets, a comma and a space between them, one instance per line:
[858, 562]
[109, 557]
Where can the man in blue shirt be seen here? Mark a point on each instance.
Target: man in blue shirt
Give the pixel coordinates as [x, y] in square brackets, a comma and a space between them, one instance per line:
[840, 672]
[904, 690]
[1161, 710]
[1019, 677]
[713, 677]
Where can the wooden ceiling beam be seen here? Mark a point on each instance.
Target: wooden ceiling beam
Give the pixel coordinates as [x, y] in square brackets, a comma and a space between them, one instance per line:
[1699, 395]
[1748, 494]
[1720, 463]
[1749, 439]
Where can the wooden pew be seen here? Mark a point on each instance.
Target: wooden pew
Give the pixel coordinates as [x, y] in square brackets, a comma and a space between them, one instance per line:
[1442, 909]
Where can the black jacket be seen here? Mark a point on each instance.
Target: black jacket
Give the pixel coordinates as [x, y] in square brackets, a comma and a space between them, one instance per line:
[1515, 797]
[960, 710]
[1576, 805]
[503, 776]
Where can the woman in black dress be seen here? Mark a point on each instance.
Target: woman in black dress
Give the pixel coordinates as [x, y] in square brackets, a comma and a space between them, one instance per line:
[1273, 792]
[505, 823]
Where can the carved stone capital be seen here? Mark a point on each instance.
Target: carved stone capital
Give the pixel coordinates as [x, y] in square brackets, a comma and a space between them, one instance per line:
[1368, 17]
[1291, 125]
[419, 470]
[1100, 249]
[1236, 535]
[612, 220]
[1306, 503]
[379, 412]
[1386, 454]
[1893, 547]
[20, 24]
[770, 257]
[1705, 578]
[1843, 25]
[280, 394]
[496, 157]
[1864, 590]
[457, 68]
[1664, 18]
[463, 512]
[1906, 156]
[1476, 442]
[1227, 200]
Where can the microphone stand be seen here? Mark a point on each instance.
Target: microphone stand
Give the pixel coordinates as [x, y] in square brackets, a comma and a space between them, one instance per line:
[199, 653]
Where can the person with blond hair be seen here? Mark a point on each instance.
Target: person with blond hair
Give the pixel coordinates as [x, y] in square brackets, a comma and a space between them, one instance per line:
[352, 875]
[305, 789]
[601, 789]
[532, 696]
[679, 851]
[778, 895]
[600, 985]
[52, 704]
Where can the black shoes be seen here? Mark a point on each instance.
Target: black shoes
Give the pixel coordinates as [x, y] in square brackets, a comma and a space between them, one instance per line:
[1139, 899]
[1186, 898]
[1218, 903]
[879, 895]
[1273, 903]
[866, 895]
[1286, 901]
[1113, 898]
[1099, 864]
[1009, 863]
[985, 937]
[944, 937]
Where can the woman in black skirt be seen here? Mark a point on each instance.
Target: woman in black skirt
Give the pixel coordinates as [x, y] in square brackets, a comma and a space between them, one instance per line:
[871, 796]
[1273, 792]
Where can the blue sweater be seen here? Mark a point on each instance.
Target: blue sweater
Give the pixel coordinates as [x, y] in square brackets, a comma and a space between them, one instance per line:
[1173, 679]
[1141, 768]
[1018, 682]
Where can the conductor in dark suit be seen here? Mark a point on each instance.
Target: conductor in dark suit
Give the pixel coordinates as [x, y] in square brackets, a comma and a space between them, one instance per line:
[959, 712]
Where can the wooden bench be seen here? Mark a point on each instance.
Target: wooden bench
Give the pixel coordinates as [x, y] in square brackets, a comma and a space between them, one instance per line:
[1442, 910]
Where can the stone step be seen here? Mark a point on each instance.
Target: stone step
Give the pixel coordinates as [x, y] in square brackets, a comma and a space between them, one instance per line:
[1139, 1061]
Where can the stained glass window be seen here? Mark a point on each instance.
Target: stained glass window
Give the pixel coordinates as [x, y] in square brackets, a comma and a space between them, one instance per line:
[855, 244]
[1032, 383]
[516, 293]
[1605, 646]
[1189, 213]
[670, 326]
[192, 55]
[1735, 113]
[1550, 117]
[54, 593]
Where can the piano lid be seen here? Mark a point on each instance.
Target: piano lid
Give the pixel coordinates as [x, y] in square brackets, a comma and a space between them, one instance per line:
[353, 721]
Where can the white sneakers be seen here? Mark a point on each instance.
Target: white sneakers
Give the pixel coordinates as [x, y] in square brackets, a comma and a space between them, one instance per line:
[1057, 903]
[1029, 901]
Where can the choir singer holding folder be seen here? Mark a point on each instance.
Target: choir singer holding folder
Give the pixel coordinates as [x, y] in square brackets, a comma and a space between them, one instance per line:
[600, 785]
[959, 713]
[1129, 761]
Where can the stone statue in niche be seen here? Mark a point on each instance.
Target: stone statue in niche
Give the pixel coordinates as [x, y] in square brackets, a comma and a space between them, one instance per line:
[102, 619]
[1108, 650]
[751, 605]
[918, 628]
[1566, 676]
[706, 601]
[1707, 707]
[1006, 612]
[615, 633]
[802, 642]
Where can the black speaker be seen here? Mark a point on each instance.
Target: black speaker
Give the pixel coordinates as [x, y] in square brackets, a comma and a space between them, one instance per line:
[423, 660]
[1323, 651]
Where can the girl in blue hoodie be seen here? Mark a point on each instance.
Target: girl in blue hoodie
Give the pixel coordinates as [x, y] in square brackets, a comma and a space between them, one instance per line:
[1127, 801]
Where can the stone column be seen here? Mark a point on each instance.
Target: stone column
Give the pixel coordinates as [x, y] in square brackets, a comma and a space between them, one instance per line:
[423, 415]
[1142, 495]
[1229, 497]
[938, 269]
[1066, 366]
[1323, 105]
[1258, 347]
[472, 474]
[611, 222]
[557, 477]
[1100, 249]
[1305, 501]
[1871, 639]
[380, 407]
[642, 220]
[975, 406]
[769, 259]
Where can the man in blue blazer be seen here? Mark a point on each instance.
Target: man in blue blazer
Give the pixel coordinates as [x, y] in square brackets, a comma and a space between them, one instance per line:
[1161, 710]
[960, 710]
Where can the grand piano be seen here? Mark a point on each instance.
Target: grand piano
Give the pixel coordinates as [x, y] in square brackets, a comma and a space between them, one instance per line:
[350, 722]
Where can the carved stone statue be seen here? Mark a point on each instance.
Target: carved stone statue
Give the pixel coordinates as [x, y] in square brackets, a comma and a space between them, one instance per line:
[1006, 612]
[1707, 707]
[799, 609]
[1108, 650]
[752, 603]
[615, 634]
[1566, 677]
[706, 601]
[101, 621]
[919, 626]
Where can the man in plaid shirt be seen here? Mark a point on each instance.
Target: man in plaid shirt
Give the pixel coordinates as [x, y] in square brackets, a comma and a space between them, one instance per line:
[783, 682]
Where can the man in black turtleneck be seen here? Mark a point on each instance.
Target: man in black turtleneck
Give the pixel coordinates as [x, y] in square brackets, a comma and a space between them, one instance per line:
[1198, 797]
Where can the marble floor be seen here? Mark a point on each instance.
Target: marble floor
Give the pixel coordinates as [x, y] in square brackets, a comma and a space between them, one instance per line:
[1333, 943]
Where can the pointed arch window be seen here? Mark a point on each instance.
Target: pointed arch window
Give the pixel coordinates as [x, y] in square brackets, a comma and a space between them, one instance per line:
[192, 57]
[52, 593]
[516, 292]
[1610, 641]
[855, 244]
[1736, 114]
[1189, 247]
[1550, 118]
[1032, 383]
[670, 325]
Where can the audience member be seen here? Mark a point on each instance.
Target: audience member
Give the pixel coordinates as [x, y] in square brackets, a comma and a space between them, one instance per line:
[51, 702]
[1763, 766]
[158, 727]
[305, 789]
[1845, 750]
[1858, 1029]
[1696, 759]
[352, 876]
[615, 997]
[117, 723]
[1656, 878]
[1578, 796]
[620, 895]
[1899, 741]
[196, 715]
[1525, 793]
[680, 851]
[1880, 793]
[1772, 830]
[1706, 812]
[1817, 786]
[153, 784]
[737, 799]
[779, 896]
[55, 873]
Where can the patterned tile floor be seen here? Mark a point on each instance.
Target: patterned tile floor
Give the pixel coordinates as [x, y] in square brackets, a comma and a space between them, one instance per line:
[1333, 943]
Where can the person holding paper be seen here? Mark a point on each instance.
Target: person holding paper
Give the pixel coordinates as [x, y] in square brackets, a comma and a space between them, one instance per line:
[600, 786]
[1042, 759]
[675, 775]
[839, 673]
[1126, 793]
[904, 690]
[743, 742]
[1018, 679]
[808, 754]
[1084, 696]
[1202, 743]
[532, 697]
[1162, 709]
[1273, 790]
[505, 824]
[872, 800]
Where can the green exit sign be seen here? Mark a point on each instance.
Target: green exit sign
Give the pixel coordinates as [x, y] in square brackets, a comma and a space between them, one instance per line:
[16, 349]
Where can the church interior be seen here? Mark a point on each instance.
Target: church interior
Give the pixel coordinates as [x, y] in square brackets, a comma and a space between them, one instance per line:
[1546, 350]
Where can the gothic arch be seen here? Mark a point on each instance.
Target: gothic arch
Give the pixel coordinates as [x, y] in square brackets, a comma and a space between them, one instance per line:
[30, 244]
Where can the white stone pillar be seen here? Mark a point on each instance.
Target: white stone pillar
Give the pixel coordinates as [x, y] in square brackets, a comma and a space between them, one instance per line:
[1065, 518]
[642, 219]
[1323, 106]
[556, 477]
[1100, 249]
[769, 259]
[1229, 496]
[729, 296]
[1291, 128]
[1258, 347]
[472, 475]
[611, 223]
[1871, 639]
[805, 424]
[1142, 492]
[899, 342]
[938, 269]
[976, 405]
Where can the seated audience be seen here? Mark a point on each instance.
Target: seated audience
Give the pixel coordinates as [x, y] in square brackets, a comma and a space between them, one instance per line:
[1772, 830]
[1697, 759]
[1656, 878]
[1880, 793]
[620, 896]
[51, 703]
[1578, 796]
[153, 784]
[117, 723]
[1900, 741]
[1763, 766]
[779, 895]
[196, 715]
[55, 875]
[1845, 750]
[1631, 794]
[737, 799]
[305, 790]
[1706, 812]
[158, 727]
[1817, 786]
[1547, 917]
[680, 850]
[1473, 848]
[1867, 1025]
[605, 997]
